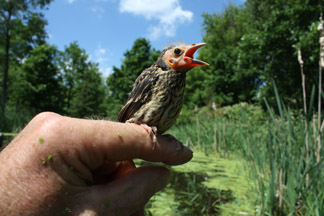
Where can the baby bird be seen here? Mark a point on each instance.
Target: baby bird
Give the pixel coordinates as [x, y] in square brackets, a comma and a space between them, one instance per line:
[157, 96]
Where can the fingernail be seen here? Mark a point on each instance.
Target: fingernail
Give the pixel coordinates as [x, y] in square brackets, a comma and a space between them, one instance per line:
[182, 157]
[189, 150]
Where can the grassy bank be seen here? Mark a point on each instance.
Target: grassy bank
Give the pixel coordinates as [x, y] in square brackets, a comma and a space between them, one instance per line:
[281, 151]
[206, 186]
[247, 161]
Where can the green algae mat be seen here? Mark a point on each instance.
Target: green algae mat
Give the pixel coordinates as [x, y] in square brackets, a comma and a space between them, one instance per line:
[206, 185]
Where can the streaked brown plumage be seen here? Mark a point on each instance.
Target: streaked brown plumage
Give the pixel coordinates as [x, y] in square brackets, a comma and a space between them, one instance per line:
[157, 96]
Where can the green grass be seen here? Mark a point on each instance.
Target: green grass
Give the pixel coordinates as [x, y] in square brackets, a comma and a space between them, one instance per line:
[205, 186]
[273, 146]
[247, 161]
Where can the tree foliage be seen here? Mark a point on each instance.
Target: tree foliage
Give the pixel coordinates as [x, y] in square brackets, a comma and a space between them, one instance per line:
[83, 85]
[40, 87]
[223, 81]
[121, 81]
[249, 48]
[254, 46]
[21, 29]
[73, 63]
[88, 93]
[281, 27]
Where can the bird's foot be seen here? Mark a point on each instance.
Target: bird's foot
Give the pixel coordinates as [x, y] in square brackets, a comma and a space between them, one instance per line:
[173, 140]
[152, 131]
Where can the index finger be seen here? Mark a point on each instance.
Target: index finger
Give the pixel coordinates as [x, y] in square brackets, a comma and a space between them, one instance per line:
[116, 141]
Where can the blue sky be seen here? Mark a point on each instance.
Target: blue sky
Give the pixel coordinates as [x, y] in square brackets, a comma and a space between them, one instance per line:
[107, 28]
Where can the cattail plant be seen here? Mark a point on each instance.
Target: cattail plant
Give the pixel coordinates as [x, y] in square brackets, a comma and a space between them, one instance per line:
[301, 63]
[321, 66]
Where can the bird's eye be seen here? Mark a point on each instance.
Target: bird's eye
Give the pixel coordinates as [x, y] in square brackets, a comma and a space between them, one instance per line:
[177, 51]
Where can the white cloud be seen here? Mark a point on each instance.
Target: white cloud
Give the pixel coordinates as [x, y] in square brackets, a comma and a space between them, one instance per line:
[105, 0]
[49, 34]
[169, 13]
[98, 10]
[106, 71]
[100, 51]
[100, 55]
[71, 1]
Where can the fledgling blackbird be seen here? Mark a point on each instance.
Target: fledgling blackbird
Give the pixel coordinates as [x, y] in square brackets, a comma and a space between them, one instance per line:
[157, 96]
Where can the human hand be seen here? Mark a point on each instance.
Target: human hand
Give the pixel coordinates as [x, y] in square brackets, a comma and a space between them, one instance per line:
[65, 166]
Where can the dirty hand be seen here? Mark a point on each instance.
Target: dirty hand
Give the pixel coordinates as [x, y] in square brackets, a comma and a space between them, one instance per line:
[65, 166]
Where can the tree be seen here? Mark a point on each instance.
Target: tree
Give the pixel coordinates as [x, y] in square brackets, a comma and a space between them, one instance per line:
[40, 84]
[121, 81]
[223, 81]
[73, 63]
[280, 28]
[88, 93]
[252, 47]
[21, 28]
[83, 85]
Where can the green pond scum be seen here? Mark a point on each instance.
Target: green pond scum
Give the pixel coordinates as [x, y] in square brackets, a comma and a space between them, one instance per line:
[50, 157]
[43, 161]
[205, 186]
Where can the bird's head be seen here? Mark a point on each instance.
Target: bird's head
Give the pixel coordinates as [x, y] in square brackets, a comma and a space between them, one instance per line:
[181, 58]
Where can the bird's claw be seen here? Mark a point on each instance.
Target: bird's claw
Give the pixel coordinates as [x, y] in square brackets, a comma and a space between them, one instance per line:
[152, 131]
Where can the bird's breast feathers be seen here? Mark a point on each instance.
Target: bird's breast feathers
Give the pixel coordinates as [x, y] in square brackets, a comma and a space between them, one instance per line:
[157, 97]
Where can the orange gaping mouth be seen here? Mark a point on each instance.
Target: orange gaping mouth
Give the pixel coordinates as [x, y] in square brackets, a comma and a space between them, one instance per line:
[189, 54]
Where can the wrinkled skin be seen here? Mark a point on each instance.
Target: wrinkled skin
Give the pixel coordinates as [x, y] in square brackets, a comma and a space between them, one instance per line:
[59, 165]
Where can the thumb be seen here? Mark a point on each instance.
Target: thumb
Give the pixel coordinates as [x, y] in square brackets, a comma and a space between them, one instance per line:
[127, 194]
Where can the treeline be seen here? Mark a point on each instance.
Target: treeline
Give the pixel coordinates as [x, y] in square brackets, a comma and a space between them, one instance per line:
[36, 76]
[249, 48]
[254, 46]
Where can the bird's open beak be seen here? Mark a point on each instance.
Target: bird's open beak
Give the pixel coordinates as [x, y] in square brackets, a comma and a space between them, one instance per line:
[189, 55]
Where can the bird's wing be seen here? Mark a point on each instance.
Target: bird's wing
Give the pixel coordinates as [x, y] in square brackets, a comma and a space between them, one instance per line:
[140, 94]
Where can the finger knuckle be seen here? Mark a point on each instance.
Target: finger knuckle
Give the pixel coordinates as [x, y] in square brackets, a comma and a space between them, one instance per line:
[44, 115]
[50, 122]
